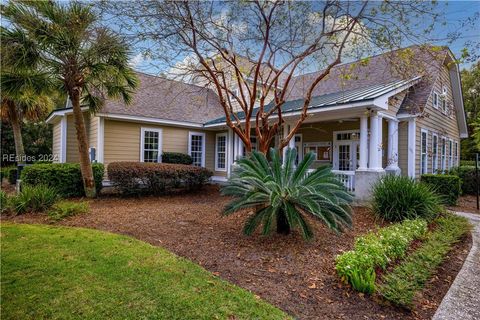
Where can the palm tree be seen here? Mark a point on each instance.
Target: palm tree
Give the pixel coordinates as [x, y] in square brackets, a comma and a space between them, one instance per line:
[284, 194]
[26, 90]
[89, 62]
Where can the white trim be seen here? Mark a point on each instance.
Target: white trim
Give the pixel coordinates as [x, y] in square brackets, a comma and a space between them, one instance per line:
[222, 134]
[363, 161]
[422, 130]
[229, 151]
[219, 179]
[435, 155]
[142, 142]
[151, 120]
[450, 153]
[443, 156]
[412, 132]
[61, 113]
[435, 94]
[457, 99]
[100, 139]
[193, 133]
[392, 153]
[63, 139]
[375, 160]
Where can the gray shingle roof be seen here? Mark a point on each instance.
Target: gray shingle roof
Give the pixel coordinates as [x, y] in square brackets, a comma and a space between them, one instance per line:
[162, 98]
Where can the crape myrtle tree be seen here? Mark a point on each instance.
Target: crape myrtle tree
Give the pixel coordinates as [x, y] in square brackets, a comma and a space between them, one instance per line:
[248, 52]
[88, 62]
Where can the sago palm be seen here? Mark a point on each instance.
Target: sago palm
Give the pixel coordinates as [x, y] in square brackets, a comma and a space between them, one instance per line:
[89, 62]
[26, 88]
[282, 194]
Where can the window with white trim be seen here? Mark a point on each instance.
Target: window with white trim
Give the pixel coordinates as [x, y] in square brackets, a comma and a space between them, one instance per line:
[253, 142]
[423, 153]
[444, 100]
[434, 153]
[151, 145]
[221, 152]
[435, 100]
[196, 148]
[450, 153]
[455, 153]
[444, 154]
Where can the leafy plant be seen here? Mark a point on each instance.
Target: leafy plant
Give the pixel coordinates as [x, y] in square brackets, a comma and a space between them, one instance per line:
[445, 185]
[3, 201]
[33, 199]
[468, 177]
[65, 209]
[65, 177]
[396, 198]
[284, 194]
[377, 249]
[176, 157]
[400, 285]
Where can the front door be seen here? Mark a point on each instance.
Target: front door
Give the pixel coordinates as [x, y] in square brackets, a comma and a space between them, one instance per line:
[345, 156]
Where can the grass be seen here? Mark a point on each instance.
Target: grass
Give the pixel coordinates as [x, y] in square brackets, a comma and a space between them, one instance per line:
[71, 273]
[402, 283]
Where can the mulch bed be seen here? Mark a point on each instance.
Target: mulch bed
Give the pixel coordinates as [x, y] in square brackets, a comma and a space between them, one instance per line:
[297, 276]
[467, 203]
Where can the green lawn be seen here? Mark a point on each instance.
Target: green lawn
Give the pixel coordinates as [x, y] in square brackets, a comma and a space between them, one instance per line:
[71, 273]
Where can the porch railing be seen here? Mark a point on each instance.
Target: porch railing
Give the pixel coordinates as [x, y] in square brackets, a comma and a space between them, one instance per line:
[347, 178]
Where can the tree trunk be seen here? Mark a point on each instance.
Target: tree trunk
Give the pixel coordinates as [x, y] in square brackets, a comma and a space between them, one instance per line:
[17, 132]
[282, 223]
[85, 166]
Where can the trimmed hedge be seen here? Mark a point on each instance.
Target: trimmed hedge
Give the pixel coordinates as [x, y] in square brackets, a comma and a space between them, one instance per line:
[468, 163]
[447, 186]
[377, 249]
[468, 177]
[176, 157]
[65, 177]
[9, 173]
[401, 285]
[156, 178]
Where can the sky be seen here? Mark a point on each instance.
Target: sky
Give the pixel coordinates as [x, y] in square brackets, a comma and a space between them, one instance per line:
[456, 12]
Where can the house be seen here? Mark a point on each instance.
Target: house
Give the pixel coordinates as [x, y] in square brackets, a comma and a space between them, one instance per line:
[383, 117]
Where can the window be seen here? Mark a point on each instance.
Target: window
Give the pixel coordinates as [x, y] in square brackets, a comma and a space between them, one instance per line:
[321, 150]
[221, 152]
[444, 100]
[450, 154]
[151, 145]
[434, 153]
[455, 153]
[444, 154]
[196, 148]
[435, 100]
[423, 159]
[258, 94]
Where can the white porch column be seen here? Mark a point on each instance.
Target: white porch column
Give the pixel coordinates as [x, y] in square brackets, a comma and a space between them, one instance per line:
[375, 152]
[392, 156]
[412, 128]
[62, 157]
[363, 161]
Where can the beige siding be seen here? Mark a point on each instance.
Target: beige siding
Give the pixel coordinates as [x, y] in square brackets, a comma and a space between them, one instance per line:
[93, 133]
[72, 145]
[394, 103]
[403, 147]
[122, 142]
[56, 143]
[435, 121]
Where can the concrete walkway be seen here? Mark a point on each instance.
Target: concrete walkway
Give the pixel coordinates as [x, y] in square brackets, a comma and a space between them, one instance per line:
[462, 300]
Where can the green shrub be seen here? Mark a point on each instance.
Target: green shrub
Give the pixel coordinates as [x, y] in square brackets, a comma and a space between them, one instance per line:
[156, 178]
[65, 177]
[396, 198]
[33, 199]
[9, 173]
[468, 177]
[282, 194]
[3, 201]
[65, 209]
[401, 284]
[176, 157]
[447, 186]
[468, 163]
[377, 249]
